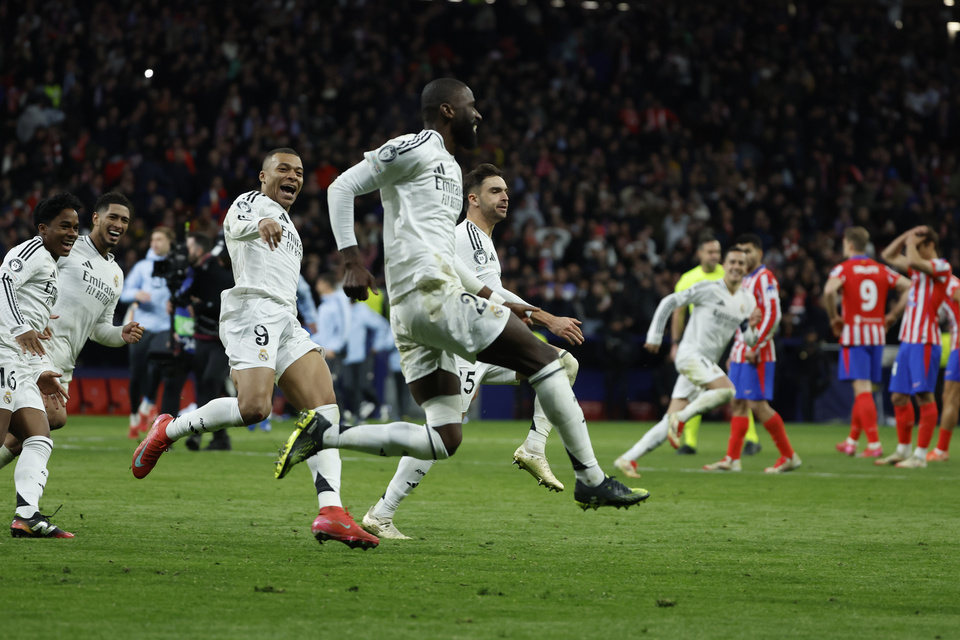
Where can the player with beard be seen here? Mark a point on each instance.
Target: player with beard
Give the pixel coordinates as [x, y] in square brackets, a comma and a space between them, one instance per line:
[265, 342]
[439, 308]
[29, 275]
[487, 204]
[90, 283]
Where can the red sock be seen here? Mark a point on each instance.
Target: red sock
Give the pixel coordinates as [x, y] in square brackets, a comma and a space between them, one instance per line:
[928, 422]
[779, 434]
[905, 417]
[868, 416]
[943, 443]
[856, 420]
[739, 425]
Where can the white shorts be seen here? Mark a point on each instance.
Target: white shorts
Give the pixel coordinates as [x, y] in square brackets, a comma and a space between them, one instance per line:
[432, 326]
[18, 382]
[262, 333]
[696, 371]
[473, 374]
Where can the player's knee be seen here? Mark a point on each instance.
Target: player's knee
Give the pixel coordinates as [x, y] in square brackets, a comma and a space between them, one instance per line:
[451, 437]
[570, 365]
[57, 421]
[899, 399]
[254, 410]
[443, 415]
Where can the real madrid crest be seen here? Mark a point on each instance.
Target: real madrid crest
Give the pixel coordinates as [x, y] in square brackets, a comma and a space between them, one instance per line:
[8, 397]
[263, 355]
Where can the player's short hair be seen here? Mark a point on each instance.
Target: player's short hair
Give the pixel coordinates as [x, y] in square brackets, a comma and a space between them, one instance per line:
[737, 247]
[167, 231]
[473, 180]
[202, 240]
[858, 237]
[705, 238]
[50, 208]
[274, 152]
[113, 197]
[436, 93]
[930, 236]
[750, 238]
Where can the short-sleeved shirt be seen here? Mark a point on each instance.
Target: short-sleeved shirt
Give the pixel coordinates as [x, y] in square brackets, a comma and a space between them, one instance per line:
[866, 284]
[927, 293]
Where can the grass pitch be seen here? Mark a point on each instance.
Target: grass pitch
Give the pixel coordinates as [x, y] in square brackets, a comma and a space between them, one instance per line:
[211, 546]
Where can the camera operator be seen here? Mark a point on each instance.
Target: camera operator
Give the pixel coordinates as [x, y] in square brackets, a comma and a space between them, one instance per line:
[201, 353]
[149, 293]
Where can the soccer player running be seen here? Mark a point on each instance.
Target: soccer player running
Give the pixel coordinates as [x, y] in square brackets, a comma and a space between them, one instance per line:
[29, 276]
[951, 376]
[265, 342]
[752, 368]
[708, 255]
[915, 370]
[90, 282]
[721, 308]
[487, 204]
[439, 307]
[862, 329]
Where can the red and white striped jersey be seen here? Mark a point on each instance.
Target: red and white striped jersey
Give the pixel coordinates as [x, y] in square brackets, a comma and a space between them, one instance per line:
[927, 293]
[763, 286]
[950, 309]
[866, 284]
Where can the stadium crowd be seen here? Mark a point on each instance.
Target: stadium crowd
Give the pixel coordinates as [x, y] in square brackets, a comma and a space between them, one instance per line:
[623, 134]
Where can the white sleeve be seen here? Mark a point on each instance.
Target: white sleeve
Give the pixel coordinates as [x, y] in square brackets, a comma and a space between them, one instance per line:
[20, 263]
[242, 221]
[470, 282]
[380, 167]
[674, 301]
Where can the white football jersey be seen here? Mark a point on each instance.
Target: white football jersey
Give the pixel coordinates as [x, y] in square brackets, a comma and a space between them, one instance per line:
[90, 286]
[475, 249]
[421, 188]
[29, 276]
[258, 271]
[716, 316]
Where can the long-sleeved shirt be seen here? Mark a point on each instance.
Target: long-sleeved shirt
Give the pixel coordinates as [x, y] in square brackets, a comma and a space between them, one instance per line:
[90, 286]
[152, 315]
[717, 316]
[29, 275]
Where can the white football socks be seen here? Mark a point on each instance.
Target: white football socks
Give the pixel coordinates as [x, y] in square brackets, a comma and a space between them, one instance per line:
[561, 408]
[653, 438]
[326, 465]
[409, 473]
[541, 428]
[30, 475]
[391, 439]
[213, 416]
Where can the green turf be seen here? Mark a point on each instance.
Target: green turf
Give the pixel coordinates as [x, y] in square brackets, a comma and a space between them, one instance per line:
[211, 546]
